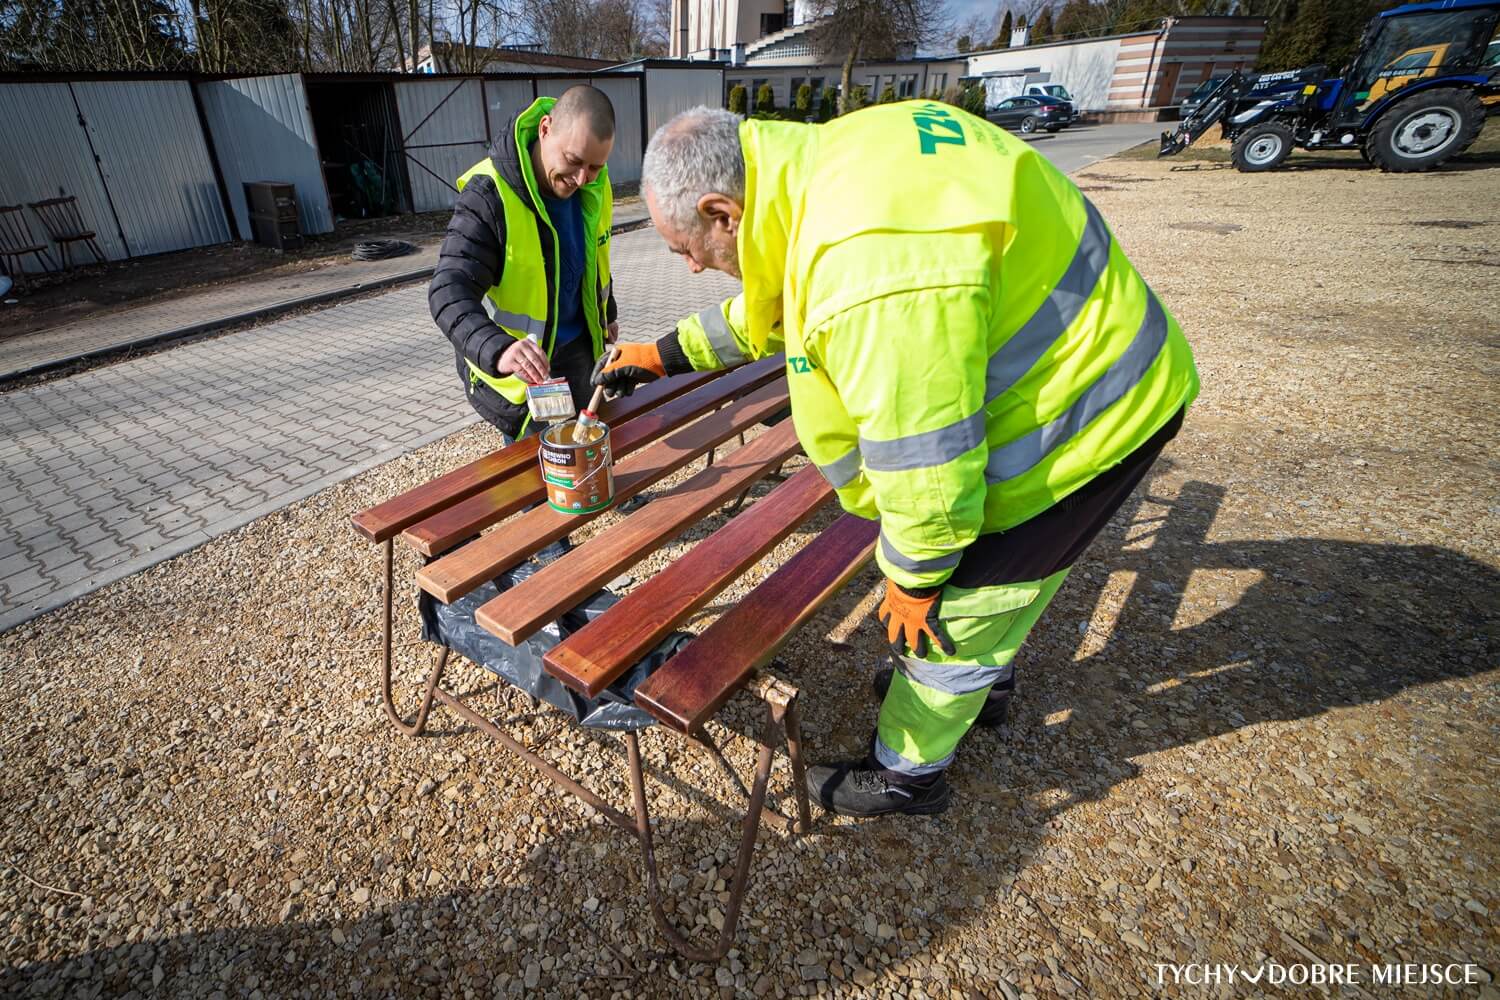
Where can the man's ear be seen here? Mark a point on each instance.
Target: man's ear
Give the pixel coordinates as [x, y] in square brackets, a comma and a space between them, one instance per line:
[544, 127]
[720, 209]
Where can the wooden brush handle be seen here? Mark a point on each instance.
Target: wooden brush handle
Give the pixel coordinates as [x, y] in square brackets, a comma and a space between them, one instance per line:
[596, 400]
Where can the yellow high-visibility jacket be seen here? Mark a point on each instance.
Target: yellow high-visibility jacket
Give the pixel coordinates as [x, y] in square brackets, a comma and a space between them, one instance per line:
[966, 343]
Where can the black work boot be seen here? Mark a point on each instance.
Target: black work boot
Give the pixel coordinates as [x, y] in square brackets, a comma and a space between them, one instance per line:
[863, 788]
[996, 704]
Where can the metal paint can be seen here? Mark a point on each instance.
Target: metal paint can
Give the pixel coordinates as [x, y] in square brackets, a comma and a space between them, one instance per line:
[579, 477]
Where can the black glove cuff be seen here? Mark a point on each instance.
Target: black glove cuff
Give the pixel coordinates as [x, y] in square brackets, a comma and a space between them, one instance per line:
[920, 593]
[673, 360]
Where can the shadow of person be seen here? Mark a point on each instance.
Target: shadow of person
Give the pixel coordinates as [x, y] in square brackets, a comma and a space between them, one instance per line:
[1210, 636]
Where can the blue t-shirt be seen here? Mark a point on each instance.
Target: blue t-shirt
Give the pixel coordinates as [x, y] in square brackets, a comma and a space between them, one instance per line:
[567, 218]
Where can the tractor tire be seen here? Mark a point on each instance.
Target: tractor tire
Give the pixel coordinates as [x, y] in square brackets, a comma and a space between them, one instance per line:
[1425, 131]
[1028, 124]
[1262, 147]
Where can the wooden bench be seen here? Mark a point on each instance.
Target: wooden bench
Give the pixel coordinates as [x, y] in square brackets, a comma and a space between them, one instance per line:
[661, 430]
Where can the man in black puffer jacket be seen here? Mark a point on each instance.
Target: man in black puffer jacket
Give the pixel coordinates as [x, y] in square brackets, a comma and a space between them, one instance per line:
[522, 287]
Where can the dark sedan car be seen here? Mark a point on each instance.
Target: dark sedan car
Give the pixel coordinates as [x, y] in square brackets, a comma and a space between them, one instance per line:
[1029, 114]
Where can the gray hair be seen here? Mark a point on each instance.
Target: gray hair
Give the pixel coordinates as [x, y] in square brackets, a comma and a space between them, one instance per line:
[696, 153]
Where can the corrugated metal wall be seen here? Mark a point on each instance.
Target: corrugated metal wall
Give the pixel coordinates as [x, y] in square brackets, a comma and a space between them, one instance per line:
[625, 159]
[670, 91]
[153, 187]
[624, 92]
[503, 100]
[262, 131]
[54, 160]
[155, 163]
[443, 126]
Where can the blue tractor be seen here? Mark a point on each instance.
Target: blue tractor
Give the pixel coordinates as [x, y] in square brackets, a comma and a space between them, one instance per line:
[1417, 94]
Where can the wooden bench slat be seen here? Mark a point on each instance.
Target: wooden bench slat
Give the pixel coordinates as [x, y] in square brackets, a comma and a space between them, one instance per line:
[520, 611]
[386, 520]
[591, 658]
[455, 574]
[692, 686]
[448, 527]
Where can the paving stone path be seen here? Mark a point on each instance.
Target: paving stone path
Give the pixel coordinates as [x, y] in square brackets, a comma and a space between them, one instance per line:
[111, 470]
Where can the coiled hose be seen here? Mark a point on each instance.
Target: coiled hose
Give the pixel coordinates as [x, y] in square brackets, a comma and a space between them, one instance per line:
[382, 249]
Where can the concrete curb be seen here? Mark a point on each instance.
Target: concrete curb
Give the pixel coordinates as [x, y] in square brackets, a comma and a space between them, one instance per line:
[263, 312]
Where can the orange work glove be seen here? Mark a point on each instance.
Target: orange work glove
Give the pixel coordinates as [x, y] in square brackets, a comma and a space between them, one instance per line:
[626, 367]
[910, 617]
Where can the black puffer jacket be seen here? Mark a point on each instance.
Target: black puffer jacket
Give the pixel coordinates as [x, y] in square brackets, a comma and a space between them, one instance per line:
[469, 264]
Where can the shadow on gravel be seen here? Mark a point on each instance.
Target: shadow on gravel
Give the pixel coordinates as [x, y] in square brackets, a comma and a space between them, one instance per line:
[1320, 624]
[1283, 629]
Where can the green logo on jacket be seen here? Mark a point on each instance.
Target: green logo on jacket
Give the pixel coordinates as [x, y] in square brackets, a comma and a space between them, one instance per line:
[800, 365]
[935, 126]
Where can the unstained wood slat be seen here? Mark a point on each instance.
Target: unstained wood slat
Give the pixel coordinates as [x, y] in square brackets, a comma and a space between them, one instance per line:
[386, 520]
[520, 611]
[448, 527]
[589, 659]
[691, 686]
[460, 571]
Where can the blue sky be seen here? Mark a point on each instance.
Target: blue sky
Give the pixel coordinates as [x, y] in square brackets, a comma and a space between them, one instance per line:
[962, 10]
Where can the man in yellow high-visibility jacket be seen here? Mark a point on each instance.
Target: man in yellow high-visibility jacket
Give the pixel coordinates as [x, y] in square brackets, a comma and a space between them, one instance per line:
[970, 358]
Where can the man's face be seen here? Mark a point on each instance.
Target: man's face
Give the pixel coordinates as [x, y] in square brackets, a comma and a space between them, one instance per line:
[571, 156]
[708, 246]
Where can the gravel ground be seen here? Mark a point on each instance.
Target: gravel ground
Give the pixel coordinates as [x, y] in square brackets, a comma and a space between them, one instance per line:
[1259, 722]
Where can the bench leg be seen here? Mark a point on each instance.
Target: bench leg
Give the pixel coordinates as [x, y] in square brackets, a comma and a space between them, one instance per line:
[799, 773]
[751, 827]
[418, 725]
[782, 721]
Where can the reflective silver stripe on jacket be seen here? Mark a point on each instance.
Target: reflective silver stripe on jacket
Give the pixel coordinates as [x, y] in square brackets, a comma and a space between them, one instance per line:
[514, 321]
[1053, 317]
[841, 471]
[893, 761]
[720, 339]
[901, 561]
[952, 678]
[918, 451]
[1009, 364]
[1011, 460]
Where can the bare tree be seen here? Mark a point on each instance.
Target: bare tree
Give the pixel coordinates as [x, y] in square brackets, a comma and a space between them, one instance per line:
[92, 35]
[602, 29]
[876, 29]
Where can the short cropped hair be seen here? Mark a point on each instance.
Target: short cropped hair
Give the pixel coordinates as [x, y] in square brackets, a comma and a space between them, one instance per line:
[590, 103]
[696, 153]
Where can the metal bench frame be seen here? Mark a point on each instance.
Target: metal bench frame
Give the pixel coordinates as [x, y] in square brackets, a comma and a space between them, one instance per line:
[782, 724]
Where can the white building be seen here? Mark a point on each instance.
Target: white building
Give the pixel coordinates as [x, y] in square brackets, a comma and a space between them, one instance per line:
[731, 29]
[1134, 72]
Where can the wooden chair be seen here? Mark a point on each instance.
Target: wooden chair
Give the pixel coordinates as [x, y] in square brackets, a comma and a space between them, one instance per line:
[65, 226]
[16, 242]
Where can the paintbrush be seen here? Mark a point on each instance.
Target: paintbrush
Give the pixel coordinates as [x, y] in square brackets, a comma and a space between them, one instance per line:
[589, 418]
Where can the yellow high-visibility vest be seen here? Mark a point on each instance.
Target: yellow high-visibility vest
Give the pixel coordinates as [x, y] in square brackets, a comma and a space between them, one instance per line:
[525, 300]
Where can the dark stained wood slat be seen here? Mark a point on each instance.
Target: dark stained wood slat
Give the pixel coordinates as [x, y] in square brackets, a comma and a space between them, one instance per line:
[691, 686]
[591, 658]
[455, 574]
[446, 528]
[520, 611]
[386, 520]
